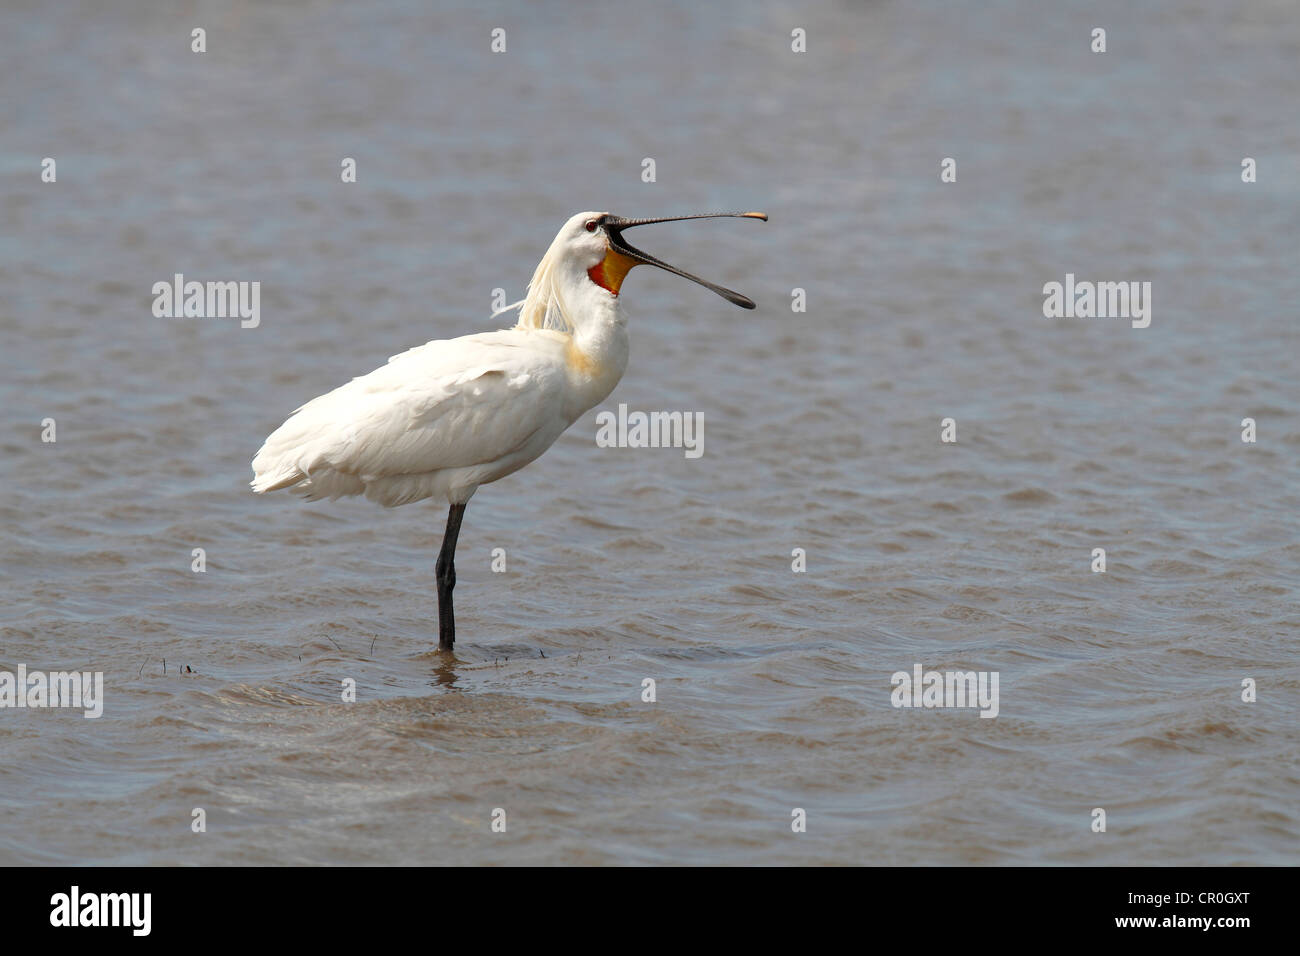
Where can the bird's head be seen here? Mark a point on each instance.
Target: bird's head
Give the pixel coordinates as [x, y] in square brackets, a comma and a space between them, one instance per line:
[594, 240]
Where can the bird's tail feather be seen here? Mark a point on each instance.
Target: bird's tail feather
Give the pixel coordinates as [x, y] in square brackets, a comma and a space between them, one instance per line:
[263, 483]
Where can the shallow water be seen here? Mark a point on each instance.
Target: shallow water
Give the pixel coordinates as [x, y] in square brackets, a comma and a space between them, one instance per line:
[1117, 690]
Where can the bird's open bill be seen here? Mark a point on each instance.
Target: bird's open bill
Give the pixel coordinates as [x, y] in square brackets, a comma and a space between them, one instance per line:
[614, 226]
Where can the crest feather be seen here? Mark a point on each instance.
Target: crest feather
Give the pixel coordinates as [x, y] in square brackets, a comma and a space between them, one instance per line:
[543, 306]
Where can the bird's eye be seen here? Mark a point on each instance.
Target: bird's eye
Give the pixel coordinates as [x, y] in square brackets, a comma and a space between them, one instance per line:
[591, 225]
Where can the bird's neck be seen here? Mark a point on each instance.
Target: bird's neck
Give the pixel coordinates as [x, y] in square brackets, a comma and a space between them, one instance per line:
[598, 348]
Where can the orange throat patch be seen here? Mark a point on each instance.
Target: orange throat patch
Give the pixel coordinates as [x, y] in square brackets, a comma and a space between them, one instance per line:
[610, 272]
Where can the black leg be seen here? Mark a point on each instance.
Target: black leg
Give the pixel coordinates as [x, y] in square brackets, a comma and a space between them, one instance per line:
[446, 574]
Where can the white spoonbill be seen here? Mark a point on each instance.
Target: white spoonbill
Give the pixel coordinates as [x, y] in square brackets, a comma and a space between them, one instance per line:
[445, 417]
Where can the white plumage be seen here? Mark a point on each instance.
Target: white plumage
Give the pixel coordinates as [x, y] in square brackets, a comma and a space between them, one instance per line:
[437, 420]
[445, 417]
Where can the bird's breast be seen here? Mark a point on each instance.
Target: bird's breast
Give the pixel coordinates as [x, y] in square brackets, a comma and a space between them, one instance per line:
[593, 365]
[580, 363]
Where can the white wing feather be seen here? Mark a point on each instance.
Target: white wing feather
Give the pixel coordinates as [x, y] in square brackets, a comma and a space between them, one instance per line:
[441, 418]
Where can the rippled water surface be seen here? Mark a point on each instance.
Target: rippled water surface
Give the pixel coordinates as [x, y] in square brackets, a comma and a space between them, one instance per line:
[924, 301]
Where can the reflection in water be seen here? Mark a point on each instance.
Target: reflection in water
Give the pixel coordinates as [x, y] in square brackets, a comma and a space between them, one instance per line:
[444, 671]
